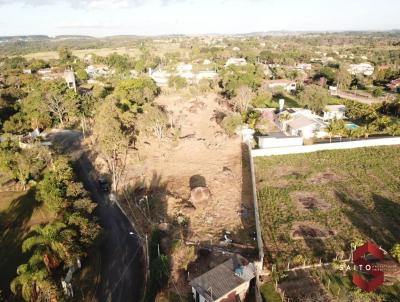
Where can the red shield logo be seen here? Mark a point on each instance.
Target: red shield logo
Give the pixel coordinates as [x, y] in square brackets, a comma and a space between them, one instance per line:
[376, 277]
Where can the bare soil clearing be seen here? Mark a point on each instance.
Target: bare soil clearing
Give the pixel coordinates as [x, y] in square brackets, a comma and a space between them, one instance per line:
[202, 156]
[308, 230]
[308, 201]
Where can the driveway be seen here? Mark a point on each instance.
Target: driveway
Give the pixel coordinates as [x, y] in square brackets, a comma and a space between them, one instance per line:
[122, 268]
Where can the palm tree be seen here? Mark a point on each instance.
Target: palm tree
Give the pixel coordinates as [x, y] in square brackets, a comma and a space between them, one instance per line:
[54, 242]
[331, 131]
[33, 281]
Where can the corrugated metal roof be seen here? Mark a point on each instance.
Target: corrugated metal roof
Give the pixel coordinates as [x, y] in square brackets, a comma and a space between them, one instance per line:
[222, 279]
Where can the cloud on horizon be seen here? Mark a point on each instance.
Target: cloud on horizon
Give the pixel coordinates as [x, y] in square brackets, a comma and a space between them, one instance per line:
[88, 3]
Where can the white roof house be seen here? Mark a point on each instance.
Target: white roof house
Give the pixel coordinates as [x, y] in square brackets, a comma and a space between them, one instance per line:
[304, 123]
[236, 62]
[364, 68]
[332, 112]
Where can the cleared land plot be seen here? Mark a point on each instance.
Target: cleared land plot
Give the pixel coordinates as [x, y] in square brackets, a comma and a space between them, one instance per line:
[345, 194]
[18, 212]
[200, 156]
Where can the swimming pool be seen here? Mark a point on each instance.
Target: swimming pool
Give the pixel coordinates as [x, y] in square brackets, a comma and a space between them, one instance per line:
[351, 126]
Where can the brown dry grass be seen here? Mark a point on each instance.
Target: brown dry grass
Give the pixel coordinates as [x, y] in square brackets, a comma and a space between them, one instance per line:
[202, 152]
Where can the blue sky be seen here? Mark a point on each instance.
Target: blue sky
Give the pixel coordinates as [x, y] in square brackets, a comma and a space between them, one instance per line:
[152, 17]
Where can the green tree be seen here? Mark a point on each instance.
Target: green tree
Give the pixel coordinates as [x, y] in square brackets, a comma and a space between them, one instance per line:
[112, 141]
[65, 55]
[395, 252]
[177, 82]
[394, 129]
[33, 282]
[133, 94]
[52, 189]
[54, 242]
[343, 78]
[314, 97]
[377, 92]
[61, 102]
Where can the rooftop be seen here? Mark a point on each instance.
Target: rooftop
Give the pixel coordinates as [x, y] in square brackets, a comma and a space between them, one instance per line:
[222, 279]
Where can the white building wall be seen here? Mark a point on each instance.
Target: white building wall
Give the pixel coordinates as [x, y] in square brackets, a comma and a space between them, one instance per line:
[329, 146]
[274, 142]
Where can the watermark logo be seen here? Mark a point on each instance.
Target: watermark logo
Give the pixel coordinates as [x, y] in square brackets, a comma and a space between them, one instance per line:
[367, 276]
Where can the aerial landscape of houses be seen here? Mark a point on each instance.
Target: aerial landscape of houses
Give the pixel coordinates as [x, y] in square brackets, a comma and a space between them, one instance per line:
[199, 151]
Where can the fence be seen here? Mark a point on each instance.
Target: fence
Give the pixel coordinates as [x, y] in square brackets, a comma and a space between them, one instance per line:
[328, 146]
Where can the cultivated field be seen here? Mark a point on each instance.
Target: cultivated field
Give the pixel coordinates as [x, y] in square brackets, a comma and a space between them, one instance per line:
[315, 205]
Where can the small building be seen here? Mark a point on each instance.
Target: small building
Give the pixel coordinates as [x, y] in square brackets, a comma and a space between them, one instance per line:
[236, 62]
[27, 71]
[229, 281]
[69, 78]
[287, 85]
[332, 112]
[306, 127]
[207, 62]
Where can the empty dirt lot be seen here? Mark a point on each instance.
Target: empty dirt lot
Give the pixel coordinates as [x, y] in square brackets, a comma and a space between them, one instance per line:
[200, 156]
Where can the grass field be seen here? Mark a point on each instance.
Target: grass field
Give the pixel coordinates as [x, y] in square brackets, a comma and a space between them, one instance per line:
[18, 212]
[50, 55]
[312, 206]
[315, 204]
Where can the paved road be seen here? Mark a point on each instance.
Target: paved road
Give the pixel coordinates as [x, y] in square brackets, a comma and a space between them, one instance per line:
[121, 255]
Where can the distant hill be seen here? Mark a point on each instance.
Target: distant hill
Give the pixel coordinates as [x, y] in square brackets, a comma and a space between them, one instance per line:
[24, 38]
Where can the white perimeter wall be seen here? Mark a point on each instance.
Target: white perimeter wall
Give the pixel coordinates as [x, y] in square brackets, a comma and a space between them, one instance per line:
[329, 146]
[265, 142]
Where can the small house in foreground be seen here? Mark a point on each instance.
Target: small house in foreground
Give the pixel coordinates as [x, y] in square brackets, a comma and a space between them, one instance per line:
[227, 282]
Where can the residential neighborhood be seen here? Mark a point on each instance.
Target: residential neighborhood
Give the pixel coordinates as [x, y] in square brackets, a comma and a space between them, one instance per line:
[199, 151]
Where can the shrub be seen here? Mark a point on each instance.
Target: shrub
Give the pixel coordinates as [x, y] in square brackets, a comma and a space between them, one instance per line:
[177, 82]
[231, 122]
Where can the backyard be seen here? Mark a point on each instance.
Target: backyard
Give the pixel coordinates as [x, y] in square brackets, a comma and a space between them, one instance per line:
[314, 206]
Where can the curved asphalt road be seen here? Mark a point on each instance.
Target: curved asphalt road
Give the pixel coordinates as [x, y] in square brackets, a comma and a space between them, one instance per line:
[122, 272]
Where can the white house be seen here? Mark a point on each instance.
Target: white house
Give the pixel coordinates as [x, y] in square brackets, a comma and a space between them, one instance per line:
[236, 62]
[364, 68]
[288, 85]
[302, 122]
[229, 281]
[332, 112]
